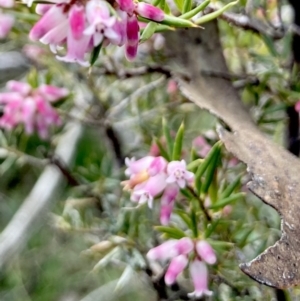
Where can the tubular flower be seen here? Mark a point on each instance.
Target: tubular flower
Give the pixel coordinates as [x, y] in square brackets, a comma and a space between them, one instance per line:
[151, 177]
[178, 251]
[31, 107]
[133, 9]
[82, 25]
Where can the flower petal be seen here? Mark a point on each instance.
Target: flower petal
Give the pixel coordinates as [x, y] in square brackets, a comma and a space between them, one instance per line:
[176, 266]
[206, 252]
[199, 275]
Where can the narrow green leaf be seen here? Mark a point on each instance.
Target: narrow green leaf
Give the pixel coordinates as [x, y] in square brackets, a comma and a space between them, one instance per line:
[275, 108]
[186, 193]
[48, 78]
[270, 44]
[215, 14]
[190, 14]
[162, 150]
[178, 144]
[167, 135]
[187, 6]
[195, 164]
[211, 228]
[33, 78]
[170, 232]
[177, 22]
[156, 2]
[209, 175]
[163, 28]
[222, 203]
[213, 190]
[95, 54]
[164, 6]
[244, 235]
[184, 216]
[179, 4]
[194, 222]
[230, 188]
[206, 162]
[216, 244]
[148, 31]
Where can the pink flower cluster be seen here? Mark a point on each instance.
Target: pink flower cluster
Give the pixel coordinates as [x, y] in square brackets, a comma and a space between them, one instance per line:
[83, 25]
[31, 107]
[6, 20]
[152, 176]
[179, 251]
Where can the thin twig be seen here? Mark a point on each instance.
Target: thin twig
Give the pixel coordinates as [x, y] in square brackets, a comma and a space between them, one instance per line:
[134, 72]
[204, 210]
[138, 93]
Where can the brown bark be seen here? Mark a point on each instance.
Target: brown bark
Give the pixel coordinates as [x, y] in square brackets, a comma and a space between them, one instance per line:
[274, 171]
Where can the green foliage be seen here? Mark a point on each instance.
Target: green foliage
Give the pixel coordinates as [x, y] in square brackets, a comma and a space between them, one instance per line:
[58, 261]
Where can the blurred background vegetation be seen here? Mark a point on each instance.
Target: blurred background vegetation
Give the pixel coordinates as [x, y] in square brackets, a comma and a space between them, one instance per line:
[123, 110]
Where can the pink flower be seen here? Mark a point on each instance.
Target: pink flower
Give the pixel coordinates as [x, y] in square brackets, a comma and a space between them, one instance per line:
[149, 11]
[148, 190]
[206, 252]
[132, 27]
[171, 249]
[152, 176]
[6, 23]
[141, 170]
[172, 86]
[31, 107]
[52, 93]
[167, 203]
[199, 275]
[77, 42]
[178, 251]
[41, 9]
[132, 34]
[82, 25]
[176, 266]
[177, 173]
[101, 23]
[63, 23]
[164, 251]
[135, 167]
[20, 87]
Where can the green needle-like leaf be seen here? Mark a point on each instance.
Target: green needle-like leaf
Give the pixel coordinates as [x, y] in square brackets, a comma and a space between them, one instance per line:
[206, 162]
[222, 203]
[215, 14]
[178, 144]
